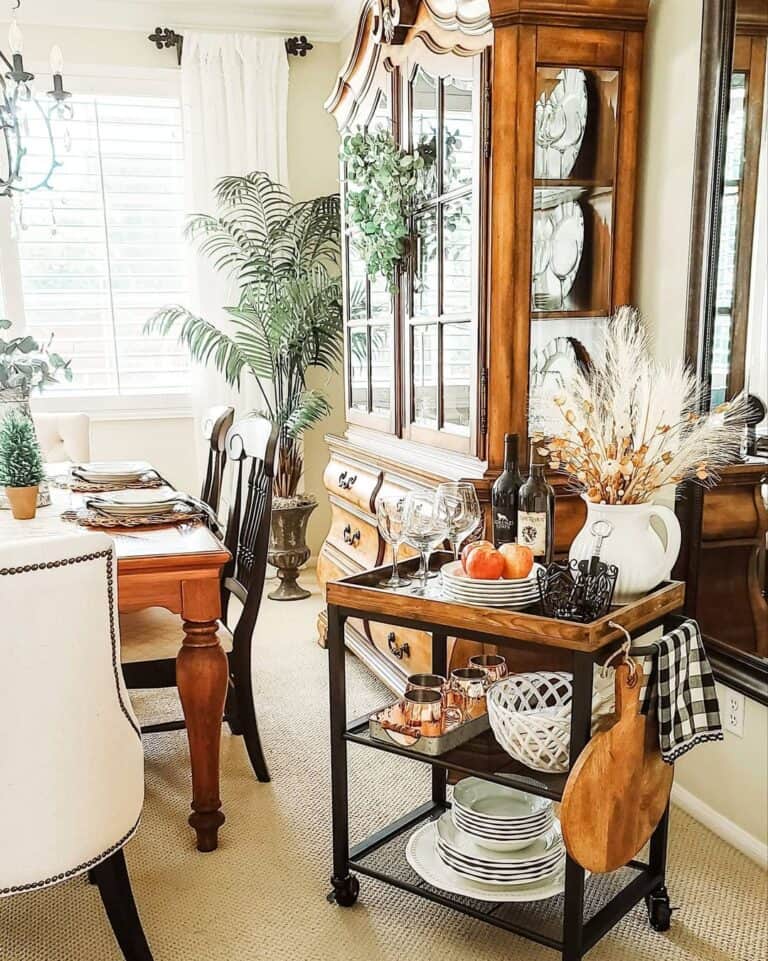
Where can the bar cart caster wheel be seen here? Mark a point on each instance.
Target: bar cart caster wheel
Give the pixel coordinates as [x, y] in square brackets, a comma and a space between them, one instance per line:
[659, 910]
[345, 891]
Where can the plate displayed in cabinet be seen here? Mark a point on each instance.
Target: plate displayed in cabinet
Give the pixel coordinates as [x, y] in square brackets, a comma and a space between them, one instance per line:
[561, 122]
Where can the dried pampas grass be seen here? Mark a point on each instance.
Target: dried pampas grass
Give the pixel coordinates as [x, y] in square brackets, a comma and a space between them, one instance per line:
[632, 426]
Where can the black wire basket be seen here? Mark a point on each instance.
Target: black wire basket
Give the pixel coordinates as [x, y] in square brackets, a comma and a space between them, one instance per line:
[577, 590]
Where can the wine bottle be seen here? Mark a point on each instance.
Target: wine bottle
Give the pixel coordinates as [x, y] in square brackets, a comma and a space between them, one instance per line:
[536, 515]
[504, 496]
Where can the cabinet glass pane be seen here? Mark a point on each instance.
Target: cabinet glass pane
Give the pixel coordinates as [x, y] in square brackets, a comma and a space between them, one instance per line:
[457, 373]
[424, 374]
[382, 115]
[357, 284]
[571, 250]
[457, 256]
[381, 298]
[575, 124]
[558, 348]
[425, 279]
[424, 127]
[358, 369]
[458, 131]
[382, 364]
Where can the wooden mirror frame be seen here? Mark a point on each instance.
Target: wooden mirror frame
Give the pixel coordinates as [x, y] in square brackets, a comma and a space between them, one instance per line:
[740, 670]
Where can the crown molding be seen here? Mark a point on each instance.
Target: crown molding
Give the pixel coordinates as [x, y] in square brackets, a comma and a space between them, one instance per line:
[320, 20]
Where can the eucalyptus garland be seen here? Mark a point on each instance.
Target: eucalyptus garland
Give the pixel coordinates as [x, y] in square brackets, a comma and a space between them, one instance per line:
[383, 182]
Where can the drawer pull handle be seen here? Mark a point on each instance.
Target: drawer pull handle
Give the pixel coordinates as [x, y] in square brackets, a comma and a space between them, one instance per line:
[347, 481]
[398, 650]
[350, 537]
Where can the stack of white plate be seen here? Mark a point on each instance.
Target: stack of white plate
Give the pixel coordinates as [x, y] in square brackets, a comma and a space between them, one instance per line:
[112, 472]
[135, 503]
[518, 594]
[499, 818]
[536, 862]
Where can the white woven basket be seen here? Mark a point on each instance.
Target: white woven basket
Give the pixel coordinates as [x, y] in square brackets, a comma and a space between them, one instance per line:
[530, 716]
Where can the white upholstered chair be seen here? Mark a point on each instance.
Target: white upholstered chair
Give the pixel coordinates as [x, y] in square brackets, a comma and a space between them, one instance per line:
[64, 437]
[72, 772]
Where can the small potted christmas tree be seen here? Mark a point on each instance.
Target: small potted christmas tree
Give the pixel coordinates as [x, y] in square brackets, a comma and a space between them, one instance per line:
[21, 465]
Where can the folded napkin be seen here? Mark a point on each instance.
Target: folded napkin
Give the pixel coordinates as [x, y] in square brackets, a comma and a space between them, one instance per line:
[681, 689]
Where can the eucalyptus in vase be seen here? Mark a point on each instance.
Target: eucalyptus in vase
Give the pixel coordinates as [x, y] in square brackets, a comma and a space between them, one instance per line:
[631, 428]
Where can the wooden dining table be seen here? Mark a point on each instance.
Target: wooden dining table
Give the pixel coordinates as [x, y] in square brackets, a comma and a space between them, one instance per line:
[179, 568]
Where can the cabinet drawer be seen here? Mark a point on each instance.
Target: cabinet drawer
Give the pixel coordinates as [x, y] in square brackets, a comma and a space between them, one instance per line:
[354, 535]
[354, 484]
[410, 650]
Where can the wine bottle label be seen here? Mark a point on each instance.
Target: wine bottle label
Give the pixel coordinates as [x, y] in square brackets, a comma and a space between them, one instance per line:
[532, 531]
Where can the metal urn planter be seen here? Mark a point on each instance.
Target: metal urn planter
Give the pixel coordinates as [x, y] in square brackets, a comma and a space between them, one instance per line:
[17, 399]
[288, 545]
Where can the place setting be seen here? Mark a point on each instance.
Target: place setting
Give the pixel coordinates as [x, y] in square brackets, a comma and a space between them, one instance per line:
[97, 477]
[132, 507]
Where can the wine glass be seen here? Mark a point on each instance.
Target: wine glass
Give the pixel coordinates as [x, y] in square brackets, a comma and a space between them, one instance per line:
[390, 514]
[463, 510]
[542, 254]
[426, 527]
[565, 258]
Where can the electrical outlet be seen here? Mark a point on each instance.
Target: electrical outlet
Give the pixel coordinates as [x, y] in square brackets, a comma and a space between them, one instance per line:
[734, 713]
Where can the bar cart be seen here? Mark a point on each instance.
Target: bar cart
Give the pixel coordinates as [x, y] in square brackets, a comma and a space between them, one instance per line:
[608, 898]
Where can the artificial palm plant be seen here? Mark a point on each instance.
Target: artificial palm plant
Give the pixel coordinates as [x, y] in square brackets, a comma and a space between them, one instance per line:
[284, 257]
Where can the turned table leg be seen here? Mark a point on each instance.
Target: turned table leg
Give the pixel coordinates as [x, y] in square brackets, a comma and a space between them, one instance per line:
[202, 678]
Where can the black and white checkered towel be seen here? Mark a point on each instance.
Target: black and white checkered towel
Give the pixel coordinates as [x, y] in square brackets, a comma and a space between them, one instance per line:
[681, 688]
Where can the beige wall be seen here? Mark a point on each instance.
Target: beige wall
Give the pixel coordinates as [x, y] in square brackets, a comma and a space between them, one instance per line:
[730, 780]
[313, 168]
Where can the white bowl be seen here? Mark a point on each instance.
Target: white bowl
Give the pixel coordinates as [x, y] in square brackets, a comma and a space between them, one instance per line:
[489, 801]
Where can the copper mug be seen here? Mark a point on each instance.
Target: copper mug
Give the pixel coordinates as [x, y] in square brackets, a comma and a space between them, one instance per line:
[423, 710]
[467, 690]
[494, 664]
[427, 682]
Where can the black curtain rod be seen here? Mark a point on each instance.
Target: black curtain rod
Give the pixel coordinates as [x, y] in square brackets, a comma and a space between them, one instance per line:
[165, 38]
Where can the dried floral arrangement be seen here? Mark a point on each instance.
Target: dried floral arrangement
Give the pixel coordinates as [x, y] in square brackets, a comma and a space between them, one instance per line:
[632, 425]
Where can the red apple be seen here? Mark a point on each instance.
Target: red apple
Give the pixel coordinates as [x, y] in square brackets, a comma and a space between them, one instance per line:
[518, 561]
[468, 550]
[485, 564]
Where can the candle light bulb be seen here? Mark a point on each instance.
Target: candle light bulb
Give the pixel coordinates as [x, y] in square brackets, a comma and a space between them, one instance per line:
[15, 39]
[57, 60]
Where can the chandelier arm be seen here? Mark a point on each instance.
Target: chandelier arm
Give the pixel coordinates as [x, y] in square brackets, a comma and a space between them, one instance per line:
[6, 61]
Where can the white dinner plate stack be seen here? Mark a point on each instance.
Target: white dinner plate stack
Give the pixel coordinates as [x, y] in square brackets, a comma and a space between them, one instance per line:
[135, 503]
[499, 818]
[537, 861]
[112, 472]
[518, 594]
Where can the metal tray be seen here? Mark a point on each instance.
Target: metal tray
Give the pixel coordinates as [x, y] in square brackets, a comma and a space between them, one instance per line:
[420, 744]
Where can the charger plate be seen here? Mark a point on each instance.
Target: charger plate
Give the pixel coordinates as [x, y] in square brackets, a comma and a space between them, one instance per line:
[421, 854]
[90, 518]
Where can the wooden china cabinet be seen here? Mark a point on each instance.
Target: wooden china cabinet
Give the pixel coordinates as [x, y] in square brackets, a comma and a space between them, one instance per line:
[520, 247]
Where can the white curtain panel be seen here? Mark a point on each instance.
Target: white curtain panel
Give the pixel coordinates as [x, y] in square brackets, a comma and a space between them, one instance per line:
[235, 98]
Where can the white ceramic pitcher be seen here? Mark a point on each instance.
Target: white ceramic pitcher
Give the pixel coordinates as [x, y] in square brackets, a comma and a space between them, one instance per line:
[633, 546]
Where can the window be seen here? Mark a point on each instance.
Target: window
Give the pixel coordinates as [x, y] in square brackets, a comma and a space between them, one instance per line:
[105, 249]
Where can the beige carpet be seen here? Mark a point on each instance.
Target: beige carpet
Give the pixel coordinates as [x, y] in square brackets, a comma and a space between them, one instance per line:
[261, 896]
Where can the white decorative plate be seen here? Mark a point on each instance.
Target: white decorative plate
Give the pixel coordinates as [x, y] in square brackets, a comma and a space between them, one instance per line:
[493, 802]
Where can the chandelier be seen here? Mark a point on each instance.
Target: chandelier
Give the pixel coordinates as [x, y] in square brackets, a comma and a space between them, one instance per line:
[20, 110]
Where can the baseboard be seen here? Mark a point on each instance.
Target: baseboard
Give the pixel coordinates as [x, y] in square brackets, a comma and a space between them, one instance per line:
[755, 850]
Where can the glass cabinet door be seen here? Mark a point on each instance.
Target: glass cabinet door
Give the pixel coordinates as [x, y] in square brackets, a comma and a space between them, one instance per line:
[441, 300]
[370, 321]
[574, 170]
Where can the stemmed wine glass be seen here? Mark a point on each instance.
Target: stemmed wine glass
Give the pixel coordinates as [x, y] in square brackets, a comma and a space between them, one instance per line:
[463, 510]
[565, 257]
[426, 527]
[390, 514]
[542, 254]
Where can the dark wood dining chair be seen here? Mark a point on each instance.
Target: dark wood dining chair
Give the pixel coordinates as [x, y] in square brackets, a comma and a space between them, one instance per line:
[250, 448]
[216, 425]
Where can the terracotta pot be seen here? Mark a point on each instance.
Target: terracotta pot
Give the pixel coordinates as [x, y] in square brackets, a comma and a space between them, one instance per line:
[288, 549]
[23, 501]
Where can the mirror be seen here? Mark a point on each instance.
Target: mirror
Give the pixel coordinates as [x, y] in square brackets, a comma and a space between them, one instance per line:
[739, 342]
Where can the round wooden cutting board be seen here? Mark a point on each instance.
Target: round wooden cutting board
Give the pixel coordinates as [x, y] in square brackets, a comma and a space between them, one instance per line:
[618, 789]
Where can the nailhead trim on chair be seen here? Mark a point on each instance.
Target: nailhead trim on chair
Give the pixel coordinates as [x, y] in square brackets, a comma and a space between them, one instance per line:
[80, 869]
[109, 556]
